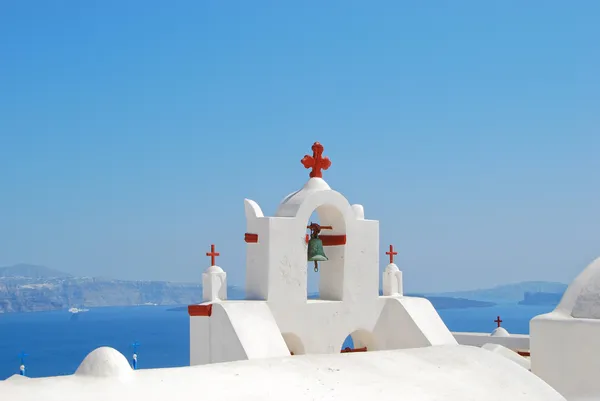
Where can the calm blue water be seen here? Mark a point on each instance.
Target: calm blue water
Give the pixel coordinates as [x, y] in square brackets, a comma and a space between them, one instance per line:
[56, 345]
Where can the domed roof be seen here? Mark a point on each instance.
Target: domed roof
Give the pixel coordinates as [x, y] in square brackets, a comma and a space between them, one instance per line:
[291, 203]
[17, 377]
[214, 269]
[391, 268]
[582, 298]
[102, 362]
[500, 332]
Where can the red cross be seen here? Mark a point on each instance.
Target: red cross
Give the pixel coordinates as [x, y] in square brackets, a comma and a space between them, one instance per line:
[391, 253]
[212, 254]
[498, 321]
[317, 162]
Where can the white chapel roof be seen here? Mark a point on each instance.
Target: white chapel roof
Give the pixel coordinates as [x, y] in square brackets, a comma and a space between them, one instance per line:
[449, 373]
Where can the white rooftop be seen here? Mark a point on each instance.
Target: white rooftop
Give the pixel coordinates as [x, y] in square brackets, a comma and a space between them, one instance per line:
[445, 373]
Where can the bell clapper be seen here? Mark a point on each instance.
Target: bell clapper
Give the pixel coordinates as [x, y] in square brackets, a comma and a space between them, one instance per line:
[316, 266]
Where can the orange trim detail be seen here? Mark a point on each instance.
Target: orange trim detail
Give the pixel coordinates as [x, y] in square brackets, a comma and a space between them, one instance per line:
[348, 349]
[200, 310]
[331, 240]
[251, 238]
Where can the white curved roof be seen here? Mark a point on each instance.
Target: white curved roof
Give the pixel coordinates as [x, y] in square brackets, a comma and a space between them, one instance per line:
[291, 203]
[582, 298]
[449, 373]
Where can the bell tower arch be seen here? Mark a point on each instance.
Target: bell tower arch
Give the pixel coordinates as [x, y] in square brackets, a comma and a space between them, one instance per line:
[277, 260]
[333, 238]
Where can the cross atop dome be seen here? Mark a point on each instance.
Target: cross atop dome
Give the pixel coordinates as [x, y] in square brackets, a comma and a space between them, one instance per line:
[391, 253]
[316, 162]
[212, 254]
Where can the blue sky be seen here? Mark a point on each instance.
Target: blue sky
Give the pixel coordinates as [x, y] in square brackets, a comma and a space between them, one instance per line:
[131, 133]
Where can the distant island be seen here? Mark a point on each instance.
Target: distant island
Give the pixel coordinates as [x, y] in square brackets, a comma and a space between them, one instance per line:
[541, 298]
[512, 293]
[30, 288]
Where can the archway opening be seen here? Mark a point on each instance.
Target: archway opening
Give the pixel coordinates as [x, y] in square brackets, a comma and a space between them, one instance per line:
[312, 277]
[328, 282]
[359, 341]
[294, 343]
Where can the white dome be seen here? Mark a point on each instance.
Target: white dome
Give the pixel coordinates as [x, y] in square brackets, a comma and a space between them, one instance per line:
[500, 332]
[391, 268]
[214, 269]
[102, 362]
[582, 298]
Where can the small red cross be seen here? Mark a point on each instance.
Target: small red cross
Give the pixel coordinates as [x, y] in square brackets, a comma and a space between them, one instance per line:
[391, 253]
[317, 162]
[212, 254]
[498, 321]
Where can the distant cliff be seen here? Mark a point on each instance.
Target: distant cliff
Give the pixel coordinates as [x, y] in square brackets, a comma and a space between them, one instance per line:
[437, 302]
[444, 302]
[541, 298]
[28, 288]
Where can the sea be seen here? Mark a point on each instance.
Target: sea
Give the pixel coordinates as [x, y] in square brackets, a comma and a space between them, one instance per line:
[54, 343]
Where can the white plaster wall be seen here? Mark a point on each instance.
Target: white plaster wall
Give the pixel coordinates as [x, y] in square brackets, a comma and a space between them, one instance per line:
[426, 374]
[514, 342]
[255, 327]
[392, 280]
[225, 342]
[332, 272]
[236, 330]
[199, 340]
[287, 261]
[294, 343]
[409, 322]
[257, 270]
[214, 284]
[565, 353]
[362, 264]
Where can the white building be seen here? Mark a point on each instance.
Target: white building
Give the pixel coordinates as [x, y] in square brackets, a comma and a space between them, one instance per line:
[565, 344]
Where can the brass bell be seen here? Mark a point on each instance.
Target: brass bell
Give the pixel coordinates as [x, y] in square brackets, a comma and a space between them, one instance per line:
[315, 252]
